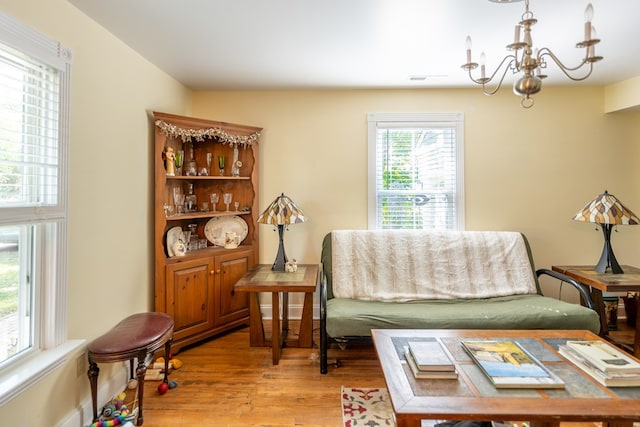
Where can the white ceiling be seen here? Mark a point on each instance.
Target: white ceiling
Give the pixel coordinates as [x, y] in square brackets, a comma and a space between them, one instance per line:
[305, 44]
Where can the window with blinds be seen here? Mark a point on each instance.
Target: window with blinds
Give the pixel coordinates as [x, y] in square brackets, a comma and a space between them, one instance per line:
[415, 171]
[34, 94]
[28, 130]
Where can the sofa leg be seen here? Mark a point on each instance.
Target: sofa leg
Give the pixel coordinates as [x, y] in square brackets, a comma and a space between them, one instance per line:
[323, 353]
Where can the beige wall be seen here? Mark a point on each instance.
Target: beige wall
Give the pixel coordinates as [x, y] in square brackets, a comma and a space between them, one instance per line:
[526, 170]
[110, 256]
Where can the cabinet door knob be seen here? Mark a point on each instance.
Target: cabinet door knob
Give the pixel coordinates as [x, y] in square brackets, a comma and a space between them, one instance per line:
[203, 307]
[217, 271]
[212, 272]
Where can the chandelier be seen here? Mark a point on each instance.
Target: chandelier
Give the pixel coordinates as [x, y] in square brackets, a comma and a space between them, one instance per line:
[529, 61]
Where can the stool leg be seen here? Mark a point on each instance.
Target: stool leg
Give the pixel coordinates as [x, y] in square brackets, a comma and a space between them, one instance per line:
[140, 372]
[167, 354]
[92, 373]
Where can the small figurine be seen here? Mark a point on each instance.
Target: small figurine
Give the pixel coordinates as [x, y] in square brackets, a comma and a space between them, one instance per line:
[291, 266]
[169, 158]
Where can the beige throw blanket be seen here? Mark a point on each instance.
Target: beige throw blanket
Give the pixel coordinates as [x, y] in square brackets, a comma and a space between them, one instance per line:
[405, 265]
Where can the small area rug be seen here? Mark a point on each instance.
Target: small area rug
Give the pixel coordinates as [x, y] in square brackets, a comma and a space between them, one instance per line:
[366, 407]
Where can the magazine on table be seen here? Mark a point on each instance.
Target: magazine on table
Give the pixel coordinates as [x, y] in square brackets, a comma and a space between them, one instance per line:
[616, 379]
[509, 365]
[605, 357]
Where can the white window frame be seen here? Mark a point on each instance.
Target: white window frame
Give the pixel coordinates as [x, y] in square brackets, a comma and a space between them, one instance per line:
[50, 345]
[421, 118]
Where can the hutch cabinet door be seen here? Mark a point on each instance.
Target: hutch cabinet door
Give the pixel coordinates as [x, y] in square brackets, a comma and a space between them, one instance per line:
[189, 296]
[229, 269]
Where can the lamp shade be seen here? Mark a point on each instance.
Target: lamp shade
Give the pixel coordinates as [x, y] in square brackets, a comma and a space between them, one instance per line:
[607, 211]
[282, 211]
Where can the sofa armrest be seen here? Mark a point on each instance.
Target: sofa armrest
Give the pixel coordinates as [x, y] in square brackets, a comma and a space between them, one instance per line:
[582, 289]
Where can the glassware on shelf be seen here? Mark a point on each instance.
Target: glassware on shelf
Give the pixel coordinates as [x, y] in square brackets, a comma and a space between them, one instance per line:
[178, 199]
[191, 200]
[226, 197]
[236, 205]
[214, 201]
[221, 164]
[179, 160]
[191, 167]
[186, 237]
[209, 161]
[235, 166]
[168, 210]
[194, 240]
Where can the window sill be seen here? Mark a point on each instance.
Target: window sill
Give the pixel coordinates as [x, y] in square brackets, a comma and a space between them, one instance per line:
[35, 369]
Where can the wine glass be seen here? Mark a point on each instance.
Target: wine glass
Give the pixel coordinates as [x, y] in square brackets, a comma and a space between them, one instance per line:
[236, 205]
[209, 160]
[226, 197]
[178, 199]
[221, 164]
[179, 159]
[214, 201]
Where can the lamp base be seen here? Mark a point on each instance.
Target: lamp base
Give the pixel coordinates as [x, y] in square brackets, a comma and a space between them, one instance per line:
[608, 262]
[281, 257]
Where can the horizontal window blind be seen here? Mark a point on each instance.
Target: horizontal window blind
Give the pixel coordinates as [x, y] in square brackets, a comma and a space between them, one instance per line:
[29, 100]
[416, 175]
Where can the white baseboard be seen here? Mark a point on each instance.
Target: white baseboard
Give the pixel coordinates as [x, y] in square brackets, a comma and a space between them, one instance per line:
[82, 416]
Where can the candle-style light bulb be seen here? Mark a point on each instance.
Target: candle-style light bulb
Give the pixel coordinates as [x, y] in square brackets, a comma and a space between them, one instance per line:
[468, 45]
[483, 60]
[588, 16]
[588, 13]
[516, 36]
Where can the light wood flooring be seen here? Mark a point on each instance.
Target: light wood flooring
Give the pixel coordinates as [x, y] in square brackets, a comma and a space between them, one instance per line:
[224, 382]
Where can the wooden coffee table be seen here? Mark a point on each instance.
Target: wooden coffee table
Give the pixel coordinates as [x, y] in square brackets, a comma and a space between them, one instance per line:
[473, 397]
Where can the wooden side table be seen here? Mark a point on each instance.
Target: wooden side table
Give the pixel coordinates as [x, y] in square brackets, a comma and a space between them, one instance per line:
[262, 279]
[605, 282]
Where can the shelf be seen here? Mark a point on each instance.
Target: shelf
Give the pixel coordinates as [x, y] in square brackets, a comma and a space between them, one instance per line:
[210, 214]
[209, 251]
[208, 177]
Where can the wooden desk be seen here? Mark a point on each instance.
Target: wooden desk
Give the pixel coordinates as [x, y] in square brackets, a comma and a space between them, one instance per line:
[605, 282]
[262, 279]
[473, 397]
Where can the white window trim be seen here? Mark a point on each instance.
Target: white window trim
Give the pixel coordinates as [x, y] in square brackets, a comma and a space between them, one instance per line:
[52, 348]
[374, 118]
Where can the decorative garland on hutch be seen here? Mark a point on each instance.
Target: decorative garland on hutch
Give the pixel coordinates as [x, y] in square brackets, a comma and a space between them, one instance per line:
[186, 135]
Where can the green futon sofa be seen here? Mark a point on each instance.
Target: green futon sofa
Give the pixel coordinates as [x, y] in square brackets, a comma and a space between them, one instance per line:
[417, 279]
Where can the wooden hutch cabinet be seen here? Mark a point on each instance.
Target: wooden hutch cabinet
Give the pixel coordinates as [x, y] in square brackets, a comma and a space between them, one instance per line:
[197, 288]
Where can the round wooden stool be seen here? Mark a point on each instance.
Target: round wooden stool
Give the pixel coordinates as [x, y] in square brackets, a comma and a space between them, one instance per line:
[134, 337]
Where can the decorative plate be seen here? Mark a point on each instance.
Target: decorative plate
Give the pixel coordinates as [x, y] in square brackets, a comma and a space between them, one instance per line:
[173, 235]
[216, 228]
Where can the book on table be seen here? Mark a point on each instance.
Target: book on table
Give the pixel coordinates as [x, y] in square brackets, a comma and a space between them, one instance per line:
[430, 356]
[615, 379]
[508, 365]
[426, 374]
[605, 357]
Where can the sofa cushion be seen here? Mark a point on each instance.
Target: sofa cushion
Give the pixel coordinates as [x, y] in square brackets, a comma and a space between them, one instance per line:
[350, 317]
[405, 265]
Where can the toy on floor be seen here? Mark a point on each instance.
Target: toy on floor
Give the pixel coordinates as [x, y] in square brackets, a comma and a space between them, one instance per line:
[115, 413]
[163, 387]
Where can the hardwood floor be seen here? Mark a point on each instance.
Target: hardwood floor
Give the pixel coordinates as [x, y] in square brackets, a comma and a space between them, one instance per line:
[224, 382]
